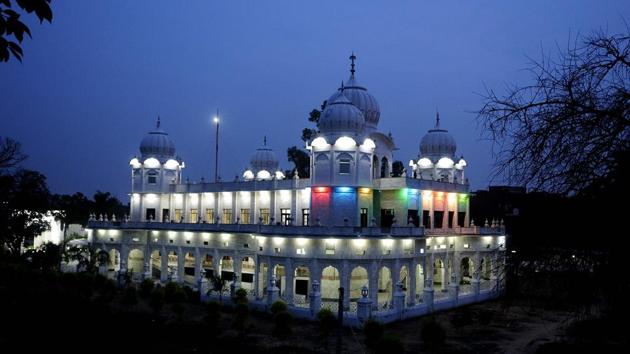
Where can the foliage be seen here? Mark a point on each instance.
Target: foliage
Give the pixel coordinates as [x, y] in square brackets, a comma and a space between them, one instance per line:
[12, 29]
[217, 284]
[282, 321]
[278, 306]
[373, 331]
[301, 160]
[130, 296]
[326, 324]
[569, 127]
[157, 299]
[389, 344]
[24, 201]
[240, 296]
[432, 333]
[398, 169]
[241, 314]
[146, 287]
[213, 316]
[173, 293]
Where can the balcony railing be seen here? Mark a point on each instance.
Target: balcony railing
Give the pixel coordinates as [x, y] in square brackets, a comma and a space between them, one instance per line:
[281, 230]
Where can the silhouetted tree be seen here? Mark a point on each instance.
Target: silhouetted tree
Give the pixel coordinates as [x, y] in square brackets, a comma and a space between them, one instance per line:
[301, 160]
[398, 169]
[569, 126]
[12, 29]
[10, 152]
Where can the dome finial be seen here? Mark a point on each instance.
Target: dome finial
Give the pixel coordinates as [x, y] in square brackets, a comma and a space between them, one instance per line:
[437, 119]
[352, 59]
[157, 125]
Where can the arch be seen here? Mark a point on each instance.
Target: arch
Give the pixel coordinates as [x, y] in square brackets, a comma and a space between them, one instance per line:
[330, 284]
[419, 282]
[173, 263]
[358, 278]
[404, 279]
[301, 285]
[485, 272]
[321, 158]
[384, 167]
[135, 263]
[345, 155]
[385, 287]
[156, 264]
[227, 269]
[375, 167]
[190, 273]
[279, 272]
[207, 265]
[248, 269]
[466, 273]
[114, 260]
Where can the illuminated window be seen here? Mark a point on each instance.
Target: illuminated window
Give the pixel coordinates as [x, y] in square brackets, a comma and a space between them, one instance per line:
[244, 216]
[344, 166]
[330, 248]
[210, 215]
[301, 251]
[264, 214]
[152, 177]
[285, 216]
[305, 216]
[227, 216]
[194, 215]
[178, 215]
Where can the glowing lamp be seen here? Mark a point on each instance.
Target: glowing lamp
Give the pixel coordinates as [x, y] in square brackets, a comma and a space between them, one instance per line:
[343, 189]
[171, 164]
[345, 143]
[364, 190]
[321, 189]
[319, 143]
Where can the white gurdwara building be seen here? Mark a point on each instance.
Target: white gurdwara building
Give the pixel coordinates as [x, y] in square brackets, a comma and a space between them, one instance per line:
[399, 247]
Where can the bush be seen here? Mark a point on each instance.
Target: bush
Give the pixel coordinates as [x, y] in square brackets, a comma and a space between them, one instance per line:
[240, 296]
[130, 296]
[373, 331]
[283, 321]
[146, 287]
[389, 344]
[157, 299]
[432, 333]
[327, 321]
[241, 313]
[169, 290]
[213, 313]
[278, 306]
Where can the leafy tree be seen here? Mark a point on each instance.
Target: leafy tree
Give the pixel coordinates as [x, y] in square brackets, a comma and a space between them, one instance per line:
[12, 29]
[24, 201]
[240, 296]
[398, 169]
[105, 203]
[217, 284]
[301, 160]
[570, 126]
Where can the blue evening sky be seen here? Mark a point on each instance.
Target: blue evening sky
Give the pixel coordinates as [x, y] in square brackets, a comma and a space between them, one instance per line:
[93, 82]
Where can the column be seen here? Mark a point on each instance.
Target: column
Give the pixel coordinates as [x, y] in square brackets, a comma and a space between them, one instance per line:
[288, 288]
[217, 212]
[180, 264]
[427, 290]
[185, 211]
[373, 284]
[345, 283]
[467, 217]
[200, 215]
[272, 206]
[252, 208]
[445, 213]
[197, 262]
[476, 274]
[141, 205]
[412, 282]
[456, 211]
[294, 211]
[164, 264]
[453, 286]
[147, 259]
[431, 210]
[236, 213]
[256, 276]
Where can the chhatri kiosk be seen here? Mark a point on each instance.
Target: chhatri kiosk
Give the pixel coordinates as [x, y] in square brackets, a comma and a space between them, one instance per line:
[399, 246]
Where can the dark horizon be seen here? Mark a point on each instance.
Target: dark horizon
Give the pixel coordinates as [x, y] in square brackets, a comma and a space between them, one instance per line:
[94, 81]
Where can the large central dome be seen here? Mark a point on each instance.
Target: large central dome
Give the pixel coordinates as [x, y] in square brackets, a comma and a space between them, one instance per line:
[361, 98]
[157, 144]
[437, 143]
[341, 116]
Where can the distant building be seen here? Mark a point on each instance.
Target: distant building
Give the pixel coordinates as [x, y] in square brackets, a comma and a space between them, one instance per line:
[399, 246]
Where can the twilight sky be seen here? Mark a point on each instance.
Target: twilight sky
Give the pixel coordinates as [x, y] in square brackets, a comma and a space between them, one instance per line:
[93, 82]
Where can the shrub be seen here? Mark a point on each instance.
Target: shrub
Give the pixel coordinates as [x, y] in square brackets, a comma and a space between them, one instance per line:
[178, 309]
[373, 331]
[213, 313]
[240, 296]
[170, 291]
[283, 321]
[241, 313]
[146, 287]
[389, 344]
[130, 296]
[327, 321]
[157, 299]
[432, 333]
[278, 306]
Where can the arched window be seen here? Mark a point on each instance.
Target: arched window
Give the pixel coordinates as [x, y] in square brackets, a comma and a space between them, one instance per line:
[345, 161]
[152, 177]
[384, 168]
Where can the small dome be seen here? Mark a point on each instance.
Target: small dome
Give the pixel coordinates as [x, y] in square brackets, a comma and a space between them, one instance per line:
[157, 144]
[438, 143]
[364, 101]
[341, 116]
[264, 159]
